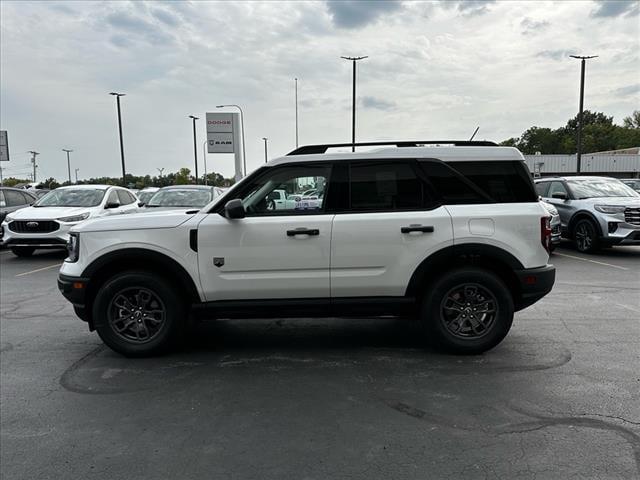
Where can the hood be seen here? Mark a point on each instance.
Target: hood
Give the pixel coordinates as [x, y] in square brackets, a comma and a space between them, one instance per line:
[148, 209]
[617, 201]
[134, 221]
[48, 213]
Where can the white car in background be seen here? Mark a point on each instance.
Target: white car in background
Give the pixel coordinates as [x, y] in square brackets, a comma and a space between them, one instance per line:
[46, 224]
[279, 200]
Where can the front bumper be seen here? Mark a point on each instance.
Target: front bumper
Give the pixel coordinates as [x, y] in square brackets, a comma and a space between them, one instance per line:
[74, 289]
[534, 283]
[632, 238]
[56, 239]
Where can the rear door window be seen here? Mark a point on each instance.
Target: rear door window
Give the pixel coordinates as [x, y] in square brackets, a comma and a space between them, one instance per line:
[542, 188]
[385, 187]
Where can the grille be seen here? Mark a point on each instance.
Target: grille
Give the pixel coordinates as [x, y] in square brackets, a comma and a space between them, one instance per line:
[33, 226]
[36, 241]
[632, 216]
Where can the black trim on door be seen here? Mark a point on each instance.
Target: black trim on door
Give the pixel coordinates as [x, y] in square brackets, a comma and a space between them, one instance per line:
[348, 307]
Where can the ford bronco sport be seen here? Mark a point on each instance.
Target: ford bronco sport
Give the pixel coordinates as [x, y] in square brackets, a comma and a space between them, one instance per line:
[449, 233]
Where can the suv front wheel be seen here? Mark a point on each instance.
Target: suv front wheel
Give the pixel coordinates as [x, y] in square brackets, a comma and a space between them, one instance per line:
[467, 311]
[138, 314]
[585, 236]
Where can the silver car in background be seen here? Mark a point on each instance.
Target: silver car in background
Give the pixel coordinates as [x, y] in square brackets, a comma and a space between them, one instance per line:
[594, 211]
[556, 225]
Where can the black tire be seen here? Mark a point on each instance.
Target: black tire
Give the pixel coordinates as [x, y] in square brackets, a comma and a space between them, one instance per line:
[446, 302]
[116, 305]
[23, 251]
[585, 236]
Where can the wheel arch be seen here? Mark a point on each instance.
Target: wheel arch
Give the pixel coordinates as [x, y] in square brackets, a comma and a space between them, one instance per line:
[138, 259]
[582, 214]
[488, 257]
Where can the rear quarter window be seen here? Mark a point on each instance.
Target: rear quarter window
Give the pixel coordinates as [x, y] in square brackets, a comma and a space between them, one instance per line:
[481, 182]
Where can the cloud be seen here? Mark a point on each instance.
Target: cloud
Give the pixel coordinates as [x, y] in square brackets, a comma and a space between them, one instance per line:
[358, 13]
[132, 25]
[531, 26]
[470, 8]
[560, 54]
[377, 103]
[616, 8]
[628, 90]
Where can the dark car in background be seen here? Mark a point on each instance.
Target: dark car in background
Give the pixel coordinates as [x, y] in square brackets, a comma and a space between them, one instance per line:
[633, 183]
[178, 197]
[12, 199]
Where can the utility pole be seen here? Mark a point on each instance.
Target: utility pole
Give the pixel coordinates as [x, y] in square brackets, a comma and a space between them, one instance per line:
[583, 60]
[124, 175]
[33, 161]
[195, 147]
[77, 175]
[68, 162]
[204, 157]
[296, 112]
[353, 106]
[265, 149]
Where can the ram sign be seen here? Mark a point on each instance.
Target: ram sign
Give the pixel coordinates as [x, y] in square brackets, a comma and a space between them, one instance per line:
[220, 134]
[4, 146]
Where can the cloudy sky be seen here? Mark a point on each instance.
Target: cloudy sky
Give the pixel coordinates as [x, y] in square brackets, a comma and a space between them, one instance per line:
[435, 70]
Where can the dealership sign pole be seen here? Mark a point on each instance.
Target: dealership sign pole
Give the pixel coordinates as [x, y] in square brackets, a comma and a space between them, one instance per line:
[223, 136]
[4, 150]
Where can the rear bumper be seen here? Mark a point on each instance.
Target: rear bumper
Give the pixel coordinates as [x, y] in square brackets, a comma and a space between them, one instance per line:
[534, 283]
[74, 289]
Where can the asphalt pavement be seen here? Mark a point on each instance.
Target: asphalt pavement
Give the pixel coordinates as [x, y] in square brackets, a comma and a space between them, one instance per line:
[327, 399]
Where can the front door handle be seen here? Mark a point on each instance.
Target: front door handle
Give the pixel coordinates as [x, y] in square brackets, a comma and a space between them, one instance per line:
[417, 228]
[303, 231]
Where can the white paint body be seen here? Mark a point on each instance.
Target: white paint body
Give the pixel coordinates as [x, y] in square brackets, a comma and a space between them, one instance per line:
[355, 254]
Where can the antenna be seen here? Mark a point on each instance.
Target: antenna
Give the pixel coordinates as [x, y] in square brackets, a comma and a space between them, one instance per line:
[474, 133]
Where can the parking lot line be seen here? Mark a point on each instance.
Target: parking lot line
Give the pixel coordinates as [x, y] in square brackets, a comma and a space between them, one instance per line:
[38, 269]
[592, 261]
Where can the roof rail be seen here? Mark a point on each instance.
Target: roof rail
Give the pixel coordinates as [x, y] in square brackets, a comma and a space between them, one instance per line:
[322, 148]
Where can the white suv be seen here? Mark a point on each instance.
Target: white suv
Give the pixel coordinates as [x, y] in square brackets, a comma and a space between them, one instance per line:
[453, 236]
[46, 224]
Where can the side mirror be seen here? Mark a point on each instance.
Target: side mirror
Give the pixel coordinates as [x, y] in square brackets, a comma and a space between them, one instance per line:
[559, 195]
[112, 205]
[234, 209]
[141, 204]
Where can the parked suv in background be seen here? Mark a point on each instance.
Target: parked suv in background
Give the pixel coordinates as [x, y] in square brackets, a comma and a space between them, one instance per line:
[46, 224]
[594, 211]
[451, 235]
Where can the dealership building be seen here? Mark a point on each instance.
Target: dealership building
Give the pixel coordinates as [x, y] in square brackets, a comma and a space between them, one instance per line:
[623, 163]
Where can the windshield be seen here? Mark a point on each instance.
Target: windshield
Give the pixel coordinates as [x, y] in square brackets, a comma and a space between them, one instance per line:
[72, 197]
[600, 187]
[180, 198]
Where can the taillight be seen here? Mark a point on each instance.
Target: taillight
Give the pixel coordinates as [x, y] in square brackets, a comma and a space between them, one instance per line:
[545, 233]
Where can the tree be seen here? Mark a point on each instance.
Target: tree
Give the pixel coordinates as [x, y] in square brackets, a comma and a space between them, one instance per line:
[12, 181]
[632, 121]
[49, 183]
[183, 177]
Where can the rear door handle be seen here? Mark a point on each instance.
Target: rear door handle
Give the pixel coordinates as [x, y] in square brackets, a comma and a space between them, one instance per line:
[417, 228]
[303, 231]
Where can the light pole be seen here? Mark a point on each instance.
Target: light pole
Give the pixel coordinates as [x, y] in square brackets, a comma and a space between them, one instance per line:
[204, 156]
[244, 152]
[296, 112]
[195, 148]
[124, 175]
[76, 170]
[265, 149]
[68, 162]
[160, 170]
[579, 140]
[353, 106]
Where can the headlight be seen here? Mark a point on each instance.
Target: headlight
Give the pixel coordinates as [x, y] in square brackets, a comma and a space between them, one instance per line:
[73, 247]
[75, 218]
[609, 208]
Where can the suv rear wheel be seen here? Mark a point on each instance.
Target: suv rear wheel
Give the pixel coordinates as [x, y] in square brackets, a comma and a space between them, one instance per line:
[585, 236]
[138, 314]
[23, 251]
[467, 311]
